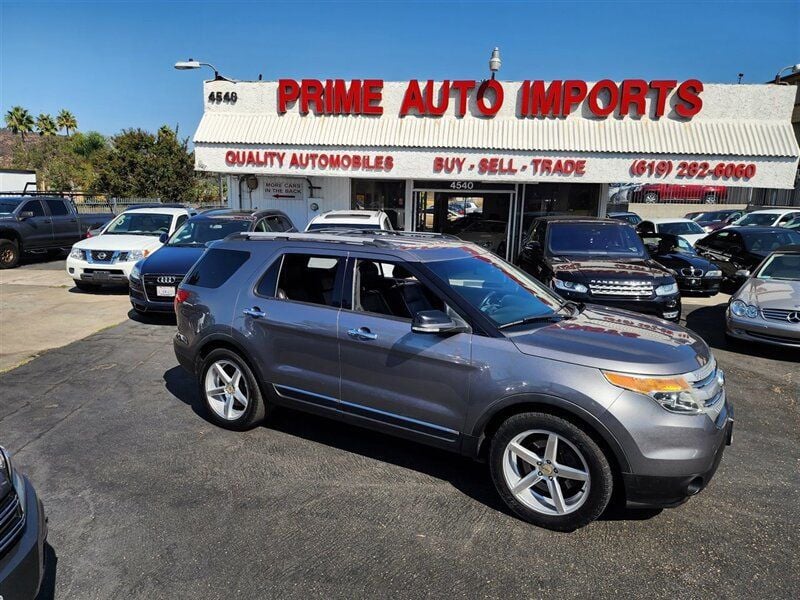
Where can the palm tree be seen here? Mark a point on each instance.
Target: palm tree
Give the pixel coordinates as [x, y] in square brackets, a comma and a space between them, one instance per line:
[46, 125]
[20, 121]
[66, 120]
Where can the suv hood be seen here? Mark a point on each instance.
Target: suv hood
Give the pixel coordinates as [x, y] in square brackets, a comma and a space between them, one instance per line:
[770, 293]
[617, 340]
[119, 242]
[612, 268]
[172, 260]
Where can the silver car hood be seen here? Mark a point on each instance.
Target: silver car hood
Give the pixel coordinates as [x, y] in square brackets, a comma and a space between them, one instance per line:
[617, 340]
[770, 293]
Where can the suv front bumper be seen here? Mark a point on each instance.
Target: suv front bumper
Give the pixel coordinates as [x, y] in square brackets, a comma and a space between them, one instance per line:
[22, 567]
[116, 273]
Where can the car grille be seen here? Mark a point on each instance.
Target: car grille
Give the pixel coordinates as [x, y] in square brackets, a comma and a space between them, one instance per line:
[106, 256]
[11, 521]
[781, 314]
[151, 282]
[602, 287]
[692, 272]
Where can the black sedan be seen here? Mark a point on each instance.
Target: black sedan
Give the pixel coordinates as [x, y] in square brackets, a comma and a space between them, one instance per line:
[739, 250]
[694, 274]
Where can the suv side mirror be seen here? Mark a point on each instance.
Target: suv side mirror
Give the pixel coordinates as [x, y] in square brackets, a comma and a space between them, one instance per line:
[435, 321]
[26, 214]
[163, 238]
[743, 273]
[533, 246]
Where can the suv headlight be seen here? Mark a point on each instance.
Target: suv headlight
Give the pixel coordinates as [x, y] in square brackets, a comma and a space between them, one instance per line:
[667, 290]
[570, 286]
[741, 309]
[76, 253]
[7, 467]
[714, 273]
[672, 392]
[137, 255]
[136, 271]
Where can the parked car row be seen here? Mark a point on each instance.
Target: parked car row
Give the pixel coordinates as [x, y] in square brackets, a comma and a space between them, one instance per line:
[651, 193]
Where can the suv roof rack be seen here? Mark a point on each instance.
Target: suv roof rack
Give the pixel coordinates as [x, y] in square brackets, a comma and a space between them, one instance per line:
[307, 236]
[363, 237]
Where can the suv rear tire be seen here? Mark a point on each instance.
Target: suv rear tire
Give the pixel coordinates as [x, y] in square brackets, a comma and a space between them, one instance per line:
[230, 392]
[9, 254]
[550, 472]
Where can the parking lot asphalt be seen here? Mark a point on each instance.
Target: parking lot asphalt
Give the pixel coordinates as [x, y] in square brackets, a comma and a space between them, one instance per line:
[41, 309]
[146, 499]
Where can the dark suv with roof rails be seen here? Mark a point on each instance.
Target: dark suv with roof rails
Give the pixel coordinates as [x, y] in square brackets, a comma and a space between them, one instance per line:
[602, 261]
[153, 280]
[442, 342]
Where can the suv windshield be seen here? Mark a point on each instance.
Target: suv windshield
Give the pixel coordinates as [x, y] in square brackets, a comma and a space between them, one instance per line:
[781, 266]
[139, 224]
[503, 293]
[202, 231]
[606, 239]
[8, 206]
[764, 219]
[680, 228]
[769, 241]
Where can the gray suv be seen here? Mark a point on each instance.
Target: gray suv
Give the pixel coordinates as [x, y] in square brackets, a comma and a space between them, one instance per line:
[441, 341]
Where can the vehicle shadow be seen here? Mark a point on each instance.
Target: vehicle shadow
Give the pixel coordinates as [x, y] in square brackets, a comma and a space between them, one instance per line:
[466, 475]
[155, 318]
[47, 591]
[101, 291]
[709, 322]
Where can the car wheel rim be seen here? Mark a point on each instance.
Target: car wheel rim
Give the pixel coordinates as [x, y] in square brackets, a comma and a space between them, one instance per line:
[7, 256]
[546, 472]
[651, 198]
[226, 390]
[711, 199]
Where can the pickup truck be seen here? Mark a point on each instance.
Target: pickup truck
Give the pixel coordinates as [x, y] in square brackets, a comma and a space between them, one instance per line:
[41, 223]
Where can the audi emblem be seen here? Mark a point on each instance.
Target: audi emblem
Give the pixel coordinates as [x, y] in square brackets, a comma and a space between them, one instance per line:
[793, 317]
[166, 279]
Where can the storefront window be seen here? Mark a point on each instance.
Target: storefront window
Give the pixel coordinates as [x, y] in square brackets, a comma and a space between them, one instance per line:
[559, 198]
[379, 194]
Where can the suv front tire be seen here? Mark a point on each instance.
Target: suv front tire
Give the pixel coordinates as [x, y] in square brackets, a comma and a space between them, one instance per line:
[550, 472]
[230, 392]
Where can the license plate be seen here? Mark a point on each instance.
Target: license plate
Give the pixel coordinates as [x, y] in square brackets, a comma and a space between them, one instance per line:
[693, 282]
[102, 274]
[165, 290]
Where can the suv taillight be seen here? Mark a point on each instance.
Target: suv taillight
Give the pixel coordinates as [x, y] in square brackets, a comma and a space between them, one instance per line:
[180, 296]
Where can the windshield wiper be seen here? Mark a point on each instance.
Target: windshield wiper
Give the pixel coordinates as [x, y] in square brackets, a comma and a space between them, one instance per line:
[552, 318]
[577, 307]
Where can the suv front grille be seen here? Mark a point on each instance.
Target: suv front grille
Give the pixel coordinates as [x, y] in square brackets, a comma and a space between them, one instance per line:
[612, 287]
[778, 314]
[106, 256]
[153, 281]
[11, 521]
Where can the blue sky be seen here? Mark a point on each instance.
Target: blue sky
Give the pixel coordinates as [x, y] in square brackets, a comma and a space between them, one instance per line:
[111, 62]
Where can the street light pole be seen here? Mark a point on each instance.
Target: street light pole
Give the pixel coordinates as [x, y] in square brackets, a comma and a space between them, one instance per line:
[186, 65]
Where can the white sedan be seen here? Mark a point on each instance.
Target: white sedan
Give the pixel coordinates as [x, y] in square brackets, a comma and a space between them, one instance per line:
[686, 228]
[108, 258]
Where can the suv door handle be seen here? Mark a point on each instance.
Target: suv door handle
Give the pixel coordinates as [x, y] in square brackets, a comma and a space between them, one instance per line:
[362, 333]
[254, 312]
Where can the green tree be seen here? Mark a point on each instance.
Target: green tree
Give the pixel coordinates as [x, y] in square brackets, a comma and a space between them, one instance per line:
[66, 120]
[20, 121]
[89, 144]
[142, 165]
[45, 125]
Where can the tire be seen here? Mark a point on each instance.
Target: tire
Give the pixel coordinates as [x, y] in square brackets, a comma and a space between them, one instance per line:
[581, 502]
[86, 287]
[240, 416]
[651, 197]
[710, 198]
[9, 254]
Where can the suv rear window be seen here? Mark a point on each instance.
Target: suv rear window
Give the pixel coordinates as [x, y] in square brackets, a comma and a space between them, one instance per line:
[216, 267]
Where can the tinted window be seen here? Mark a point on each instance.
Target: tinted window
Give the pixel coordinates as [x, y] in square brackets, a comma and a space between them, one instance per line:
[308, 278]
[391, 289]
[57, 207]
[181, 220]
[680, 228]
[202, 231]
[276, 223]
[8, 205]
[781, 266]
[763, 219]
[216, 267]
[606, 239]
[35, 207]
[768, 241]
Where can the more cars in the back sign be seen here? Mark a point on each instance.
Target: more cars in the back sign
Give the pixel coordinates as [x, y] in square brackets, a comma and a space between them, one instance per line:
[739, 250]
[108, 259]
[767, 306]
[601, 261]
[153, 280]
[23, 531]
[440, 341]
[694, 274]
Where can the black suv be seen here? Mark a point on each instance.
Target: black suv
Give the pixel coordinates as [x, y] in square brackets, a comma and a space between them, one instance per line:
[602, 261]
[153, 280]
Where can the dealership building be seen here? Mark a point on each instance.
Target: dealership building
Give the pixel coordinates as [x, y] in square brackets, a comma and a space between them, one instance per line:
[430, 152]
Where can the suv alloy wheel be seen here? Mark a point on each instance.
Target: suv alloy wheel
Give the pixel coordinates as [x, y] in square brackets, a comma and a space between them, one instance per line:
[9, 254]
[550, 472]
[230, 391]
[651, 197]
